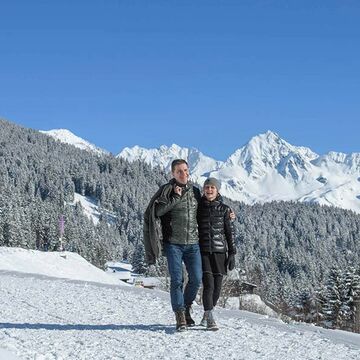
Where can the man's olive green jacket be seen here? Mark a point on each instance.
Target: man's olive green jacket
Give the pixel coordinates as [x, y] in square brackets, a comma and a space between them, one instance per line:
[170, 218]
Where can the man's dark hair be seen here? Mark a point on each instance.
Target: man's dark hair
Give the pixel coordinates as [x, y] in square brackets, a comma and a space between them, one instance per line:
[177, 162]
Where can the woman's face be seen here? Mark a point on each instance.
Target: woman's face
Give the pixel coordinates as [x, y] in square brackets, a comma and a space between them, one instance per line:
[210, 192]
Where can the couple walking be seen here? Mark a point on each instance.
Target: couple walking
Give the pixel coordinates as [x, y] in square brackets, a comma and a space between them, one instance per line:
[193, 229]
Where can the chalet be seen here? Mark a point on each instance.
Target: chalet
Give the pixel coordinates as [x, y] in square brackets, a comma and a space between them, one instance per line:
[239, 287]
[146, 282]
[120, 269]
[238, 284]
[123, 271]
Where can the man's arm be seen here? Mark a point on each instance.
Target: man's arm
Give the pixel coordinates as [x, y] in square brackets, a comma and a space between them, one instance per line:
[164, 204]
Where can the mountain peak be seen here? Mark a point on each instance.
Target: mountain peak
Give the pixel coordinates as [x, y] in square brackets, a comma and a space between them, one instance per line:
[67, 137]
[269, 138]
[268, 151]
[175, 147]
[164, 155]
[60, 132]
[271, 135]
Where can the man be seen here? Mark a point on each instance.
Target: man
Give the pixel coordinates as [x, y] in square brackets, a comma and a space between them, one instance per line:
[176, 203]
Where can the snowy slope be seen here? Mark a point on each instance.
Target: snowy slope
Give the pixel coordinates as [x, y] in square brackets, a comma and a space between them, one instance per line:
[44, 318]
[64, 265]
[67, 137]
[91, 209]
[268, 168]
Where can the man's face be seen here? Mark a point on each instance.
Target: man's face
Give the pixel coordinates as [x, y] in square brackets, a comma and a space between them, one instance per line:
[181, 173]
[210, 192]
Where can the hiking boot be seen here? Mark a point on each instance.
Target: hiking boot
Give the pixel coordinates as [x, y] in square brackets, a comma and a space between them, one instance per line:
[211, 324]
[189, 320]
[180, 320]
[203, 321]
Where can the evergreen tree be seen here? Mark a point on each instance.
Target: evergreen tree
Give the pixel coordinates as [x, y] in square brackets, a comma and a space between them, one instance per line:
[138, 259]
[332, 307]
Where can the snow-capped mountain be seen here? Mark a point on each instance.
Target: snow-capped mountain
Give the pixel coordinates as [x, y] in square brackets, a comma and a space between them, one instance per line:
[269, 168]
[68, 137]
[268, 151]
[198, 162]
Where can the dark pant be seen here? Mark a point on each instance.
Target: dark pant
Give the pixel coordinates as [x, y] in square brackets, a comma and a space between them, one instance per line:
[212, 288]
[213, 266]
[190, 255]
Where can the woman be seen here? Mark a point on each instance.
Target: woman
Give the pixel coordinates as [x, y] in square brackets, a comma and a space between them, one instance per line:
[217, 246]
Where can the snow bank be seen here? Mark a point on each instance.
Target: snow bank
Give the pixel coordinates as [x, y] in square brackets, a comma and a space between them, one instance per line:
[251, 302]
[66, 265]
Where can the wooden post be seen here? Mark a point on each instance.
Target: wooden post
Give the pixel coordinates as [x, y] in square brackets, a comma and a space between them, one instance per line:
[357, 314]
[61, 230]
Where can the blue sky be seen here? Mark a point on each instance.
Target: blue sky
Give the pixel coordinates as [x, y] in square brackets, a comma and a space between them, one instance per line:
[205, 74]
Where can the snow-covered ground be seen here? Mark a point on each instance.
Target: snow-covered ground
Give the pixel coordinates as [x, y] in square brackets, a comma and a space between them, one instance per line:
[43, 317]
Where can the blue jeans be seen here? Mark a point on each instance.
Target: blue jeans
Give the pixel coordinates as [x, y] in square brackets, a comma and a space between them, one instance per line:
[190, 254]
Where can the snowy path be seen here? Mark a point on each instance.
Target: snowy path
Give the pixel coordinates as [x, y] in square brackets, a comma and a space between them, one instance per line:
[43, 318]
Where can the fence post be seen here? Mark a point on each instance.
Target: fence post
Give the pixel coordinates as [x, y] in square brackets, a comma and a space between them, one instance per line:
[357, 314]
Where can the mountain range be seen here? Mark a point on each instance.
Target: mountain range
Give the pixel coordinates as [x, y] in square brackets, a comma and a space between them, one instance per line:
[265, 169]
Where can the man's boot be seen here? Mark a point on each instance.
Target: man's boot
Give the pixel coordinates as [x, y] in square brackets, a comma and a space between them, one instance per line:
[189, 320]
[180, 320]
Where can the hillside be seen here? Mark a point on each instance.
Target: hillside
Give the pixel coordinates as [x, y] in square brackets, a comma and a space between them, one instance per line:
[48, 318]
[41, 180]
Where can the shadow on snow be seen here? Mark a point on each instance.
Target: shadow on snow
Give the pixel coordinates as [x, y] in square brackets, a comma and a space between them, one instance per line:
[66, 327]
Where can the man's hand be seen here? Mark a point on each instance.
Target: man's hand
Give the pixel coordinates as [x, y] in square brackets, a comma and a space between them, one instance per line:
[232, 215]
[178, 190]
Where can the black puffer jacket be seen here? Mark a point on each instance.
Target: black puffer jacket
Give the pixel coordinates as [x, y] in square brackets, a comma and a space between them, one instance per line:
[216, 231]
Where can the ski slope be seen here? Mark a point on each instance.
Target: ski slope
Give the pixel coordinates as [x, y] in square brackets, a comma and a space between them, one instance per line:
[48, 317]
